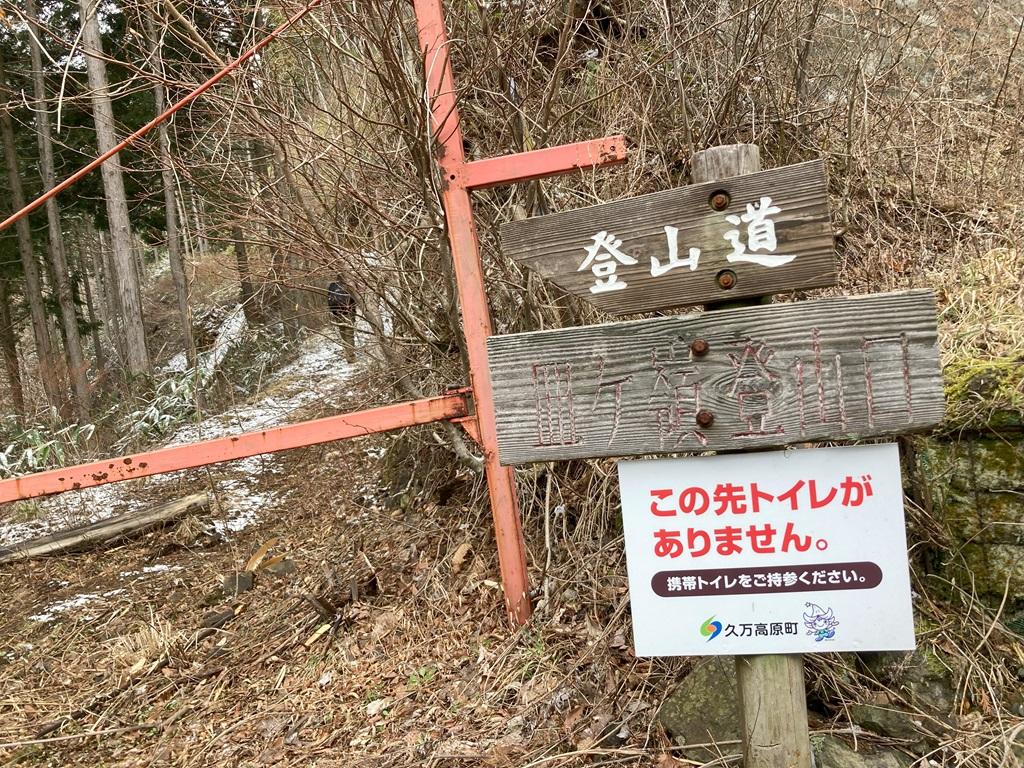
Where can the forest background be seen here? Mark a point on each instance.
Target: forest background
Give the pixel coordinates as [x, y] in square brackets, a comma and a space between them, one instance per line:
[315, 161]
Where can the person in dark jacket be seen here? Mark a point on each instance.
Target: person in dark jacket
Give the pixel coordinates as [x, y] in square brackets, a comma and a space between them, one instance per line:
[342, 305]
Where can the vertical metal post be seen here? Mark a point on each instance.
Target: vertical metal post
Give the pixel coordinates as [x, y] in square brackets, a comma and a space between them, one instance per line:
[476, 319]
[773, 699]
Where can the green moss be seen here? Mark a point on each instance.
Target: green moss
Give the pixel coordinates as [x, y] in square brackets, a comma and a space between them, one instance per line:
[999, 463]
[1001, 518]
[984, 393]
[991, 568]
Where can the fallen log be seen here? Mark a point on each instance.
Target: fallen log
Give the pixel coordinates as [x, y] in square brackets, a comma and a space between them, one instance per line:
[120, 526]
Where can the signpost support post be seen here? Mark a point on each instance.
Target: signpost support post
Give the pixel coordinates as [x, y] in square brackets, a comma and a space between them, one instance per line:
[773, 699]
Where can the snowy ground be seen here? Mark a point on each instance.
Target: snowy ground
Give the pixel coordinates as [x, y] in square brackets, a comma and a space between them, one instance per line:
[319, 374]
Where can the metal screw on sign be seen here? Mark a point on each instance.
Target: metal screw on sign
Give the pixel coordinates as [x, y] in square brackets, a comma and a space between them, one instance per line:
[719, 200]
[726, 279]
[705, 418]
[699, 348]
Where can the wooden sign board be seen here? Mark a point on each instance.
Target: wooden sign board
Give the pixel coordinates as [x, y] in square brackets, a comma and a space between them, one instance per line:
[834, 369]
[758, 234]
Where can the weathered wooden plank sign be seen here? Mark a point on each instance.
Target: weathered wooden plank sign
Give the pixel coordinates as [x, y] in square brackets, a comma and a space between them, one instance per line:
[838, 368]
[749, 235]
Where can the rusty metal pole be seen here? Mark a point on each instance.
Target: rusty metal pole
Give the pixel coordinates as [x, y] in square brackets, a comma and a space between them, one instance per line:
[476, 318]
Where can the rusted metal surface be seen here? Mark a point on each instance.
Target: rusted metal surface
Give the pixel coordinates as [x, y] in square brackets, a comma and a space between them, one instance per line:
[131, 467]
[471, 428]
[705, 419]
[541, 163]
[476, 321]
[720, 200]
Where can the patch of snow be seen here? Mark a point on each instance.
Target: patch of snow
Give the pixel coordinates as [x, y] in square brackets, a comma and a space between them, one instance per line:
[51, 612]
[161, 266]
[177, 364]
[230, 333]
[67, 510]
[158, 568]
[238, 522]
[243, 505]
[319, 374]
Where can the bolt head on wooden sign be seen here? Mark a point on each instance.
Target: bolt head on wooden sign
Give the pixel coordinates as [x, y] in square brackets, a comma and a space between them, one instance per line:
[749, 235]
[798, 551]
[758, 377]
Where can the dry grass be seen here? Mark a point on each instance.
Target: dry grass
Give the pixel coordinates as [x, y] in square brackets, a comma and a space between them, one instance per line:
[421, 669]
[915, 104]
[983, 329]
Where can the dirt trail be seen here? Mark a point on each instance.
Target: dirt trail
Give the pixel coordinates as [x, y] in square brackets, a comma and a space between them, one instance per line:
[367, 636]
[318, 376]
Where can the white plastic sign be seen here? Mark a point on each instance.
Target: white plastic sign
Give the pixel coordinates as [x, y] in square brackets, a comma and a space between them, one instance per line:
[800, 551]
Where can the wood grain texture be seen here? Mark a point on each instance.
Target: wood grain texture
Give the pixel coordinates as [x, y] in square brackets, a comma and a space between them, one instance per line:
[834, 369]
[117, 527]
[556, 246]
[773, 711]
[724, 162]
[772, 695]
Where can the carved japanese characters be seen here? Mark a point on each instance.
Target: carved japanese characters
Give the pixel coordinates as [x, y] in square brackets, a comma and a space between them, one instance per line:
[770, 231]
[756, 377]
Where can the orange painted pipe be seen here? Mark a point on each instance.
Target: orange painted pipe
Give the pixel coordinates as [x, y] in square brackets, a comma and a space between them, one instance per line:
[540, 163]
[341, 427]
[459, 177]
[165, 115]
[476, 319]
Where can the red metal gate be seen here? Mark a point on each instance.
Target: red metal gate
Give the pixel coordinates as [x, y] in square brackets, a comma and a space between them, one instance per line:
[460, 178]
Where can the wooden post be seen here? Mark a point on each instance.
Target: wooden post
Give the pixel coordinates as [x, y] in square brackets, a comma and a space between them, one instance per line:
[773, 700]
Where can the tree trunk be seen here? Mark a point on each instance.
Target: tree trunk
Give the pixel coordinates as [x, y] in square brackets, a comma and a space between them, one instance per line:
[112, 309]
[201, 241]
[127, 275]
[84, 246]
[280, 259]
[94, 323]
[170, 202]
[58, 260]
[185, 230]
[109, 529]
[33, 282]
[9, 349]
[245, 289]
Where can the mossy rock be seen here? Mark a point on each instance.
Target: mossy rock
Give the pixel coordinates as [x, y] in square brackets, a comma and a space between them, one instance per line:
[1000, 518]
[984, 393]
[972, 463]
[833, 752]
[944, 465]
[998, 463]
[923, 677]
[991, 567]
[895, 723]
[975, 484]
[703, 707]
